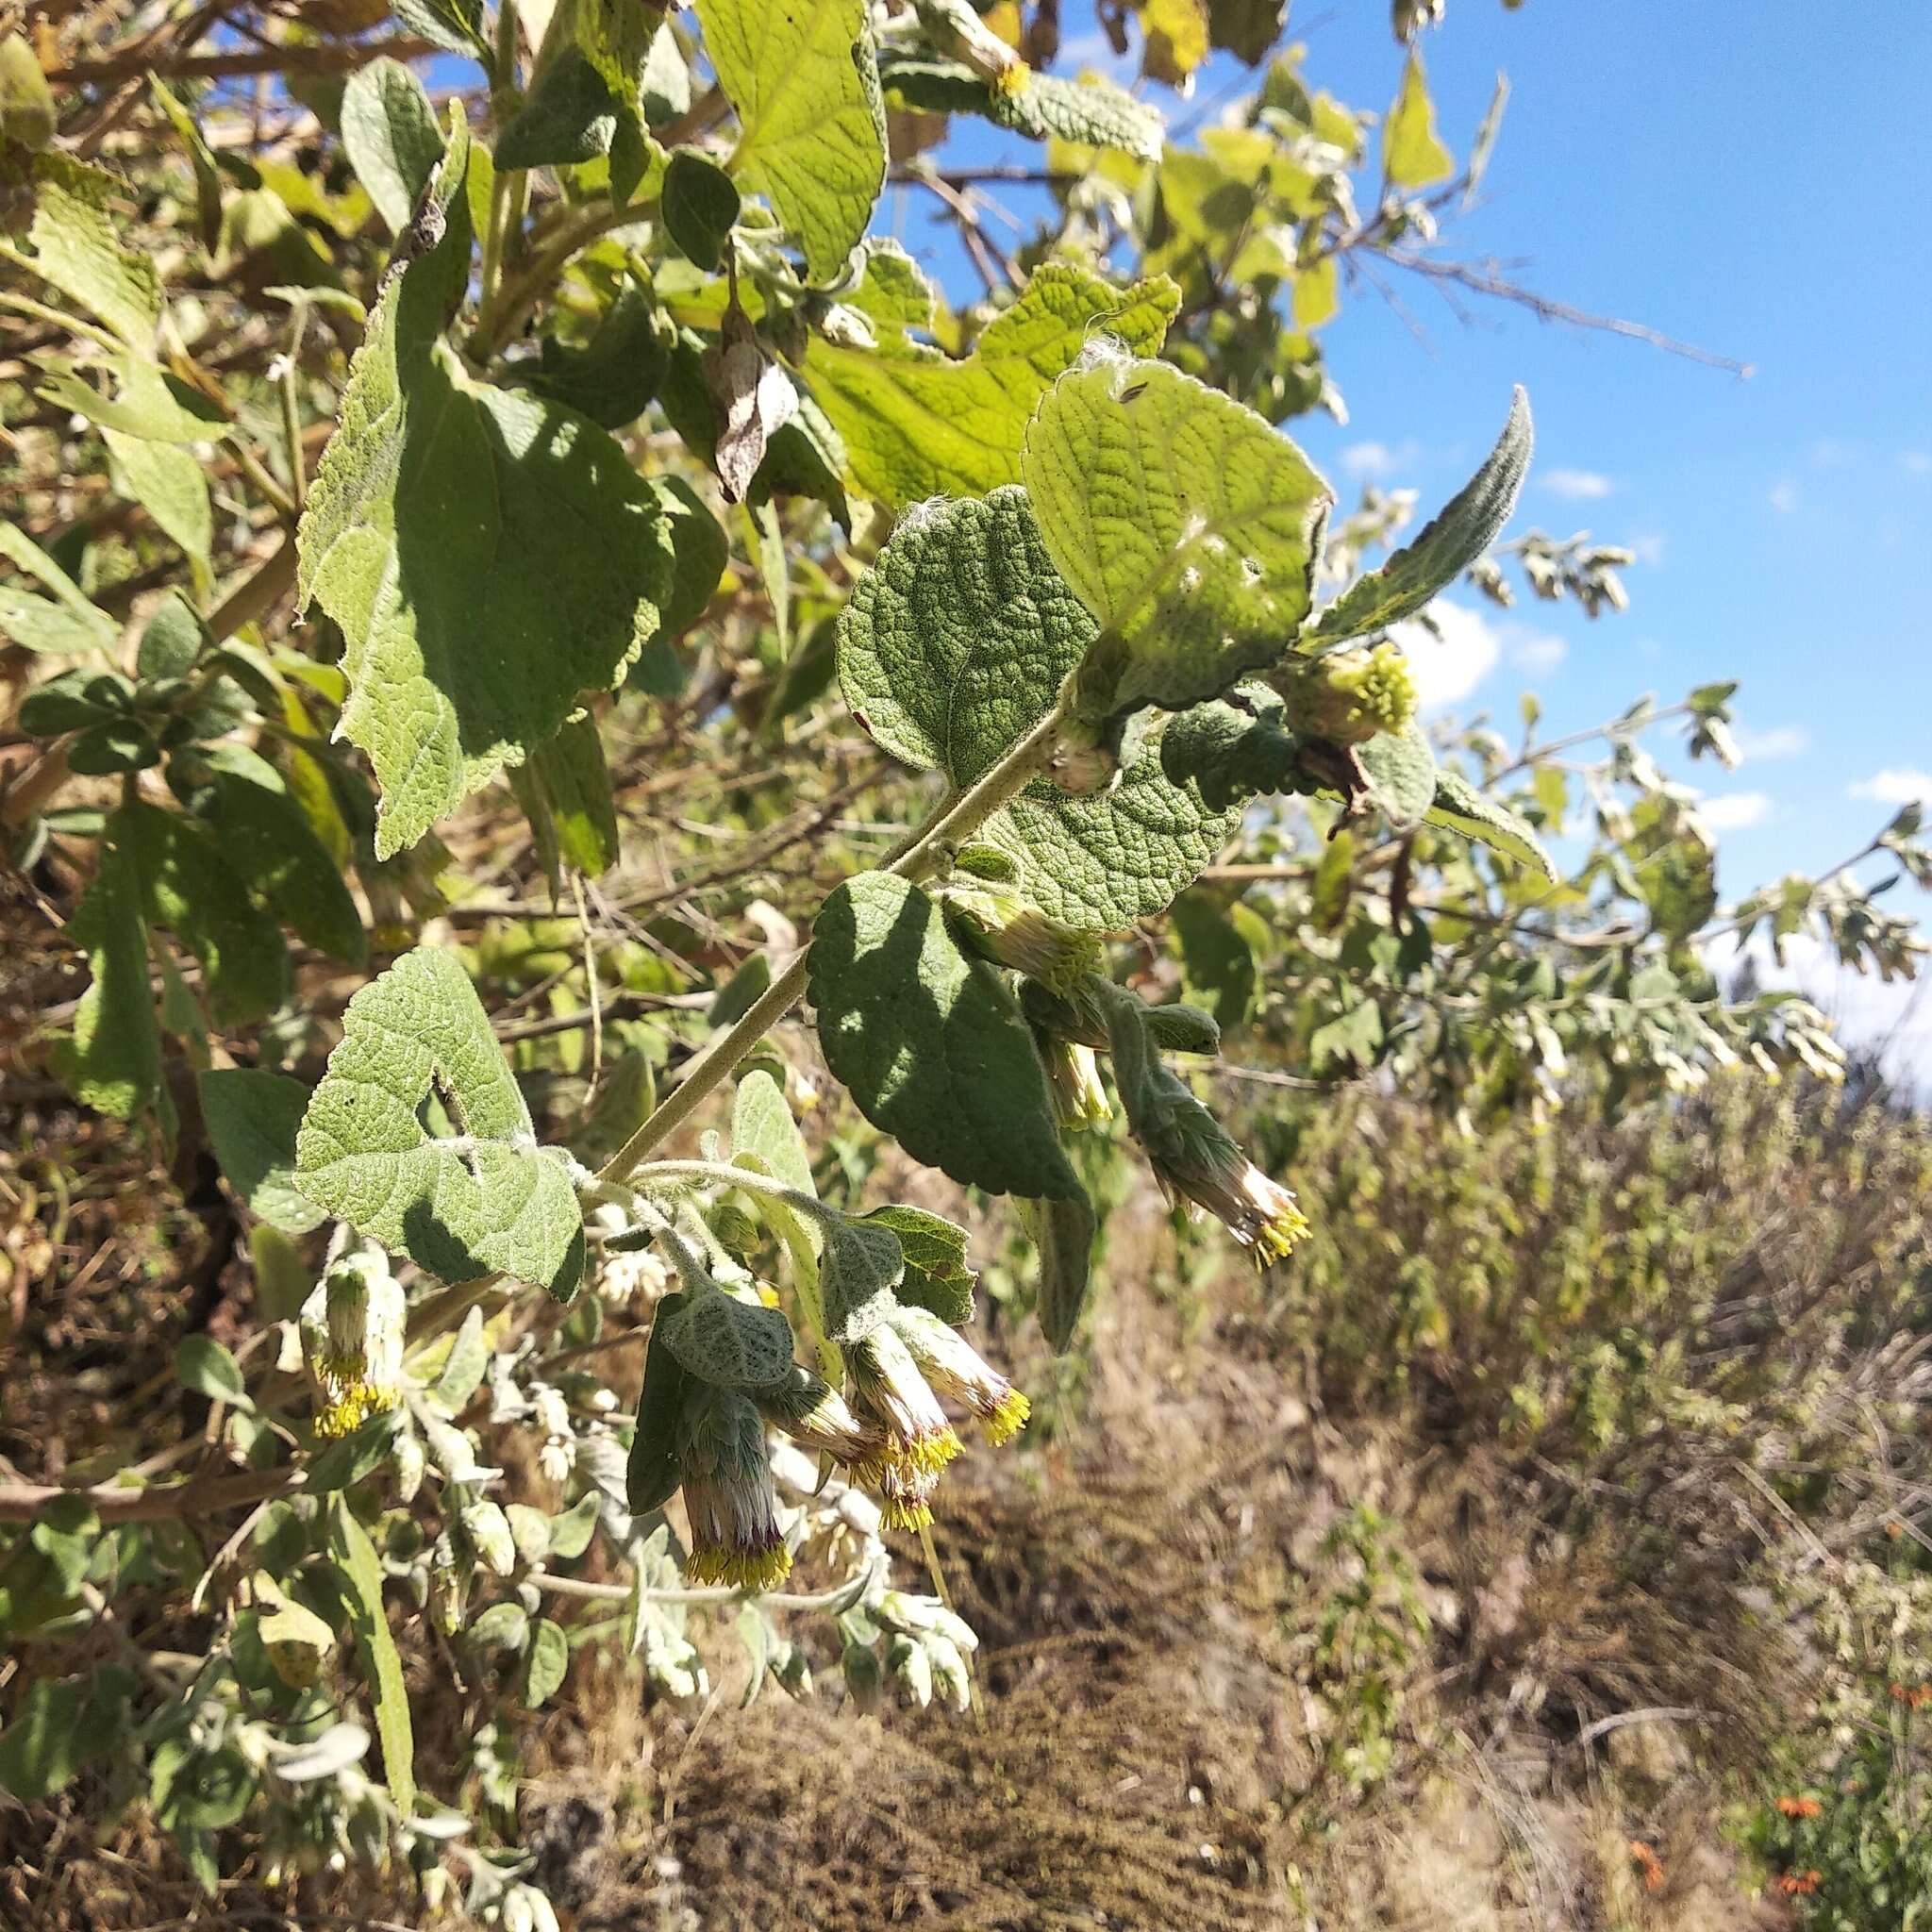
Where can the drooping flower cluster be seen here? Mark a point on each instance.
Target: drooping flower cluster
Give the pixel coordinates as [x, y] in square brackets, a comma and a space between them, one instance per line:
[352, 1329]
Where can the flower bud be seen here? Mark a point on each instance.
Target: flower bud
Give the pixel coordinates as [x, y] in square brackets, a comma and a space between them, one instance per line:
[352, 1341]
[1072, 1077]
[949, 1673]
[728, 1497]
[862, 1675]
[1007, 929]
[812, 1412]
[951, 1364]
[1349, 697]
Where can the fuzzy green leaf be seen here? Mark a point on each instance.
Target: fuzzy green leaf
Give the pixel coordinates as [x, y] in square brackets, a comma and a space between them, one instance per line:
[488, 554]
[477, 1198]
[72, 241]
[730, 1343]
[253, 1118]
[1184, 524]
[1231, 752]
[1459, 807]
[545, 1664]
[864, 1265]
[1448, 544]
[356, 1564]
[1041, 106]
[612, 376]
[209, 1368]
[919, 423]
[570, 117]
[113, 1060]
[65, 624]
[653, 1473]
[953, 646]
[1412, 152]
[573, 787]
[936, 1276]
[700, 203]
[930, 1042]
[1400, 771]
[811, 120]
[762, 1127]
[147, 402]
[1063, 1234]
[391, 137]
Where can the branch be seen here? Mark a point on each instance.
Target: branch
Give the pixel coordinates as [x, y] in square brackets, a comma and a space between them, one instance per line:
[113, 1503]
[325, 56]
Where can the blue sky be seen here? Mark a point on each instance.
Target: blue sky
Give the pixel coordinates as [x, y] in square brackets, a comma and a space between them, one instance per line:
[1749, 179]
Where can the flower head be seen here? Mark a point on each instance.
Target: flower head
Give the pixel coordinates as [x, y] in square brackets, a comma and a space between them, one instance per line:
[917, 1441]
[1800, 1808]
[352, 1341]
[1349, 697]
[1072, 1077]
[729, 1495]
[952, 1364]
[812, 1412]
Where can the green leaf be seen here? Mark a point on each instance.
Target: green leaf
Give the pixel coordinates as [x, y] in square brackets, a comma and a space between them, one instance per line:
[391, 137]
[1219, 955]
[267, 836]
[171, 640]
[1400, 771]
[700, 207]
[208, 173]
[147, 402]
[762, 1127]
[953, 646]
[936, 1278]
[1459, 807]
[653, 1473]
[66, 624]
[573, 784]
[487, 554]
[1412, 153]
[455, 25]
[863, 1266]
[811, 120]
[113, 1060]
[204, 1365]
[1448, 544]
[190, 888]
[27, 113]
[59, 1729]
[1231, 752]
[918, 423]
[484, 1199]
[570, 117]
[1184, 523]
[72, 241]
[545, 1663]
[463, 1367]
[1041, 106]
[1063, 1233]
[612, 377]
[930, 1042]
[729, 1343]
[253, 1118]
[570, 1533]
[382, 1669]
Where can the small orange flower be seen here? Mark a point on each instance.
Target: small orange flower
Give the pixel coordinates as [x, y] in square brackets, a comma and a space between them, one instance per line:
[1651, 1865]
[1894, 1530]
[1800, 1808]
[1793, 1884]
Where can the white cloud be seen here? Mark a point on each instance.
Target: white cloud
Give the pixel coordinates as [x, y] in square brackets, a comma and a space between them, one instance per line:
[1895, 785]
[1784, 498]
[1735, 811]
[1369, 462]
[1780, 741]
[1650, 548]
[1451, 659]
[1578, 486]
[1830, 454]
[1538, 651]
[1916, 463]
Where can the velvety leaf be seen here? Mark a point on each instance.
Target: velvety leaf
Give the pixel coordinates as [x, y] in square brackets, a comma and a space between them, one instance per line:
[455, 25]
[546, 1663]
[953, 646]
[59, 1728]
[113, 1060]
[812, 122]
[936, 1278]
[612, 377]
[382, 1669]
[169, 483]
[73, 241]
[570, 117]
[253, 1118]
[918, 423]
[1459, 807]
[1219, 955]
[1231, 752]
[862, 1268]
[653, 1473]
[1448, 544]
[930, 1042]
[1182, 521]
[1041, 106]
[729, 1343]
[763, 1128]
[488, 554]
[65, 624]
[480, 1199]
[147, 402]
[1400, 771]
[1063, 1232]
[570, 773]
[391, 136]
[700, 205]
[205, 1366]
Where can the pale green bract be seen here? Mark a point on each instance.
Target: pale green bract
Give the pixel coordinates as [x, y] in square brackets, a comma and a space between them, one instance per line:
[483, 1199]
[953, 646]
[918, 423]
[1183, 522]
[813, 120]
[488, 554]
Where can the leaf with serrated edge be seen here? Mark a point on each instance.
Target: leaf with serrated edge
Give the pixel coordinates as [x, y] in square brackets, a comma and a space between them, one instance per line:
[1459, 807]
[490, 1202]
[730, 1343]
[356, 1564]
[805, 82]
[918, 423]
[488, 554]
[930, 1042]
[1183, 522]
[1448, 544]
[953, 646]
